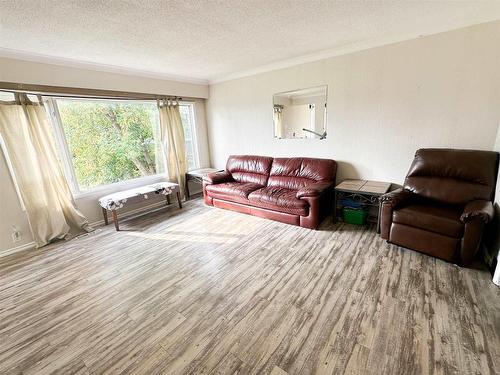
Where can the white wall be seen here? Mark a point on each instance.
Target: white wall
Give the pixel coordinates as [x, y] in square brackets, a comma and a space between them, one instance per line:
[497, 149]
[492, 234]
[10, 211]
[319, 111]
[36, 73]
[383, 104]
[19, 71]
[295, 118]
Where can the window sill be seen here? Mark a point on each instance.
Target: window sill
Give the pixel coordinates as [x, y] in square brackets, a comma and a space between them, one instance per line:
[99, 191]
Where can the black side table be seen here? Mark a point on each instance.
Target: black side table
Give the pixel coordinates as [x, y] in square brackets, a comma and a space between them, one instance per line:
[363, 191]
[197, 176]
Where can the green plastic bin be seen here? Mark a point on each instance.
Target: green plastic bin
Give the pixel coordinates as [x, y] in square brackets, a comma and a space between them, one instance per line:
[354, 216]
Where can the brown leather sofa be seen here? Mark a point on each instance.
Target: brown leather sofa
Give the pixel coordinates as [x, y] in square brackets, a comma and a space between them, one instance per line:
[444, 205]
[296, 191]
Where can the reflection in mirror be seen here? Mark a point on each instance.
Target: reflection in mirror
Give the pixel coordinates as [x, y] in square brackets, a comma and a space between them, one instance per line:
[300, 113]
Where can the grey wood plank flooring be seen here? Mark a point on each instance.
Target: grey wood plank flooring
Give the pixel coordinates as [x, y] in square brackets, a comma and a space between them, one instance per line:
[207, 291]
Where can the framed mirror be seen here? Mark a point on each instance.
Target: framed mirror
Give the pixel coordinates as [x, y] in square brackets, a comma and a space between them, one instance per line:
[300, 114]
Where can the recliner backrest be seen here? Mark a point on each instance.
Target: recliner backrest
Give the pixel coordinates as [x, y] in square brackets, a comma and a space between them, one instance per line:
[453, 176]
[295, 173]
[249, 168]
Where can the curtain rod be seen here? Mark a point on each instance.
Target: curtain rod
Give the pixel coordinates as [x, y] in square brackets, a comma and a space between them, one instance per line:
[75, 92]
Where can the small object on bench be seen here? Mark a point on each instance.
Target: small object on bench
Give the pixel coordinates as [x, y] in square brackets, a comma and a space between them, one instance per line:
[197, 176]
[114, 201]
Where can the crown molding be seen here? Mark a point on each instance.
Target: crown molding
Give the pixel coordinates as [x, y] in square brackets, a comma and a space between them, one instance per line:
[313, 57]
[72, 63]
[333, 52]
[277, 65]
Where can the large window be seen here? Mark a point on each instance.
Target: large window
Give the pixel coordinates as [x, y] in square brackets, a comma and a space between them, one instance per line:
[107, 141]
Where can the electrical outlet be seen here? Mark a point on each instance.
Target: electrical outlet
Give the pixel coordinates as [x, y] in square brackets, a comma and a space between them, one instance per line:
[16, 234]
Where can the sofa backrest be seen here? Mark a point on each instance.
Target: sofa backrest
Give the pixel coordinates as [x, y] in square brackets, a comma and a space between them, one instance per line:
[249, 168]
[295, 173]
[453, 176]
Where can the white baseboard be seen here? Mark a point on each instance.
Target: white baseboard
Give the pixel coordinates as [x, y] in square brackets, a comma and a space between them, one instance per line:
[12, 250]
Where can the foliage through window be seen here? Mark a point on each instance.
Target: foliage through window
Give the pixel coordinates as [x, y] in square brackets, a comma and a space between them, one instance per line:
[107, 141]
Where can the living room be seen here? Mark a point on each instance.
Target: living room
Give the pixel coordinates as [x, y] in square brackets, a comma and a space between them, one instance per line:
[260, 187]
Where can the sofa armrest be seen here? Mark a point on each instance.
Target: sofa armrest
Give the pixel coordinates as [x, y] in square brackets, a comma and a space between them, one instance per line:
[313, 190]
[396, 198]
[481, 209]
[217, 178]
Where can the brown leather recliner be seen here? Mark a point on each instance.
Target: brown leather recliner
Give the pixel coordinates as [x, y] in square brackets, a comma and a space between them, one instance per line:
[444, 205]
[296, 191]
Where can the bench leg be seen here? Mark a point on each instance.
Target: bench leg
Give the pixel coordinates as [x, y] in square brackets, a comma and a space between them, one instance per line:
[179, 200]
[187, 187]
[168, 199]
[115, 220]
[105, 215]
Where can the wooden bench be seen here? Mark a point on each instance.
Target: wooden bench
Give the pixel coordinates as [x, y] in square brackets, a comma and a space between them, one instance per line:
[113, 202]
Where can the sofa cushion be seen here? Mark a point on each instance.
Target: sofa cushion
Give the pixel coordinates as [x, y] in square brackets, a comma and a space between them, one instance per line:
[233, 191]
[279, 199]
[295, 173]
[432, 217]
[249, 168]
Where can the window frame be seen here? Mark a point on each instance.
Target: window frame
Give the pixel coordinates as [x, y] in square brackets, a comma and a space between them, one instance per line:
[194, 132]
[60, 138]
[8, 162]
[67, 159]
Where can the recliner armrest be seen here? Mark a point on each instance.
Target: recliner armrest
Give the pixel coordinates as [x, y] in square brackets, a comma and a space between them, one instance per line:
[396, 198]
[482, 209]
[313, 190]
[389, 202]
[218, 178]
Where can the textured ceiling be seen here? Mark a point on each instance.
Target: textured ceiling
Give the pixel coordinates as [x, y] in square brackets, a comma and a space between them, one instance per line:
[211, 40]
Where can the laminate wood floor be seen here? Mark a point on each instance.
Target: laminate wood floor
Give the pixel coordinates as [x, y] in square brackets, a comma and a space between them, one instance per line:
[208, 291]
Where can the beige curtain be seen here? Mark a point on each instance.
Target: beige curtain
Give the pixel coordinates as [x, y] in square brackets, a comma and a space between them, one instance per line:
[173, 143]
[278, 123]
[30, 146]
